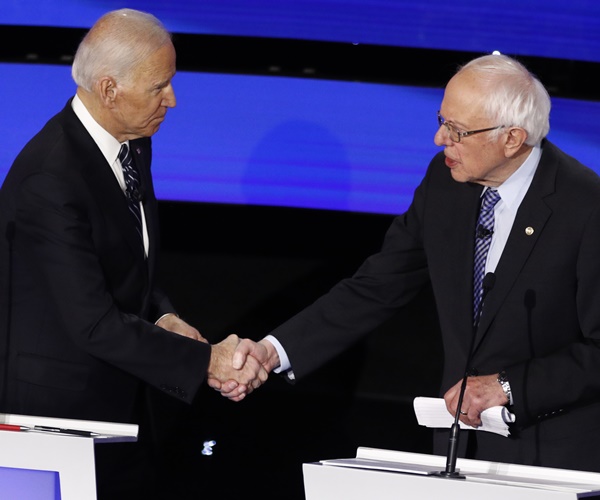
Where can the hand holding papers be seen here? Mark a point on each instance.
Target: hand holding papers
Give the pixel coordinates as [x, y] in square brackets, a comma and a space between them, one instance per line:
[432, 412]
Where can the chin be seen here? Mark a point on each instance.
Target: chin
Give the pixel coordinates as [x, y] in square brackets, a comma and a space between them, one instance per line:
[153, 130]
[458, 177]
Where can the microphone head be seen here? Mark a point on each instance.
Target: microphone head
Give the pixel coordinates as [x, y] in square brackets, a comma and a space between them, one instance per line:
[489, 280]
[10, 230]
[483, 232]
[529, 299]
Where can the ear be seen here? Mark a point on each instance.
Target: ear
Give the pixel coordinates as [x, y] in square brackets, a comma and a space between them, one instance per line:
[108, 90]
[515, 138]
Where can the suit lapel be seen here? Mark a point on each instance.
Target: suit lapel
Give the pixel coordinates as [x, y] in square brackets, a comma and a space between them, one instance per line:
[114, 203]
[101, 180]
[456, 215]
[528, 226]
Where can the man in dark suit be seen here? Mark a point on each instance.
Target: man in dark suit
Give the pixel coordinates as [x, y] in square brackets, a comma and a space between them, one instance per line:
[85, 331]
[533, 344]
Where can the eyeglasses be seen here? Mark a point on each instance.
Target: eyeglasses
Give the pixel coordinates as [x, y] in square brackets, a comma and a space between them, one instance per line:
[455, 134]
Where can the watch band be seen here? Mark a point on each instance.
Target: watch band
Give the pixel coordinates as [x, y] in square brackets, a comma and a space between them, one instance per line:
[503, 381]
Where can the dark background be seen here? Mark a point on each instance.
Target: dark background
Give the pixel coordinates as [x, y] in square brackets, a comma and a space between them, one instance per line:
[245, 269]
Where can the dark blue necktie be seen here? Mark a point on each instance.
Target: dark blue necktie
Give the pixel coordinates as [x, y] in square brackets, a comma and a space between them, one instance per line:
[483, 239]
[132, 188]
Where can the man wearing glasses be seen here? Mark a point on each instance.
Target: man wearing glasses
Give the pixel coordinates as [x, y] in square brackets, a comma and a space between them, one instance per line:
[503, 202]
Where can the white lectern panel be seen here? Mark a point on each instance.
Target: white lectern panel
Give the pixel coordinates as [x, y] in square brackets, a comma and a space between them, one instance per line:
[71, 456]
[387, 475]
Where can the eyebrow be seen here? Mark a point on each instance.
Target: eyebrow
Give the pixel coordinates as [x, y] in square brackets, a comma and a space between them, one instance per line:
[452, 122]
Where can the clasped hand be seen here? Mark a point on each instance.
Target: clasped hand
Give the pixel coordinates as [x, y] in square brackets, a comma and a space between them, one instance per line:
[481, 392]
[237, 367]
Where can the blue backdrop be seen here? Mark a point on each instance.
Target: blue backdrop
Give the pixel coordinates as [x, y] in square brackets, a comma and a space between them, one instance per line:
[282, 141]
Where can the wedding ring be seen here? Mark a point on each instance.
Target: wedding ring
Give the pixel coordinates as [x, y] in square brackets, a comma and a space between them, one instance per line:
[463, 412]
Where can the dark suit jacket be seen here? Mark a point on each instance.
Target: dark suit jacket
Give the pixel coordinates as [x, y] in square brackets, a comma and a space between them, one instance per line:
[540, 322]
[78, 300]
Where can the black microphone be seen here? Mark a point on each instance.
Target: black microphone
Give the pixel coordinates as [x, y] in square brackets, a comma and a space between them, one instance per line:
[488, 283]
[10, 232]
[483, 232]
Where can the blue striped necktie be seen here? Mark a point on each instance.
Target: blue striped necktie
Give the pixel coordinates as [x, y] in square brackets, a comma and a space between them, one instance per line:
[132, 188]
[483, 239]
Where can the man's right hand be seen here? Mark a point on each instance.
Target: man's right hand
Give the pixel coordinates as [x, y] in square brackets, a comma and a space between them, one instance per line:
[233, 374]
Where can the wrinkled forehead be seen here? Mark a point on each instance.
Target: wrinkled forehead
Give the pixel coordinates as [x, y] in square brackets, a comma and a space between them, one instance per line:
[464, 99]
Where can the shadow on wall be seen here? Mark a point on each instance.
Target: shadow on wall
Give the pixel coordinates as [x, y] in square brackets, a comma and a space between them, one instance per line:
[295, 164]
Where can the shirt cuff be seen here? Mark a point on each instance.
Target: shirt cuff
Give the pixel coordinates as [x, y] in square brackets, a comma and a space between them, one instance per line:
[284, 361]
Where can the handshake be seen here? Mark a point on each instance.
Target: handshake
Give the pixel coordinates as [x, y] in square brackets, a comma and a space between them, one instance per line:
[238, 366]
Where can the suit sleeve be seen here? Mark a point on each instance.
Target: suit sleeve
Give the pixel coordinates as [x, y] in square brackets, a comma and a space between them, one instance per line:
[355, 306]
[97, 307]
[564, 371]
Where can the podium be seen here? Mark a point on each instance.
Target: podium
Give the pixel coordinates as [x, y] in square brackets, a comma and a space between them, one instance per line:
[55, 462]
[376, 474]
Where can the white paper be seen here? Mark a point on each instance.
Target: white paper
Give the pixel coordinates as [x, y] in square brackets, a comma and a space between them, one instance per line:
[432, 412]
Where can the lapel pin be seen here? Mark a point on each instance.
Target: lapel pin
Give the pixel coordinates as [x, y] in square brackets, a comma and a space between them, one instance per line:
[138, 150]
[528, 230]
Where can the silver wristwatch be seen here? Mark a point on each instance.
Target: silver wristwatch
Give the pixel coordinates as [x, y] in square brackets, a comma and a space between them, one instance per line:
[503, 381]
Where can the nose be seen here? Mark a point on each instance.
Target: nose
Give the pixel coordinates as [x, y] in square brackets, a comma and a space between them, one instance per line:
[442, 137]
[169, 99]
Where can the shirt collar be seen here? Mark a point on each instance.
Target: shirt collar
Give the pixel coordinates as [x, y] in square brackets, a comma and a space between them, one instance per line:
[512, 190]
[109, 146]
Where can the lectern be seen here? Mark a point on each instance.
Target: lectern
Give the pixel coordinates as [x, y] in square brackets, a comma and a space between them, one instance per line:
[55, 463]
[376, 474]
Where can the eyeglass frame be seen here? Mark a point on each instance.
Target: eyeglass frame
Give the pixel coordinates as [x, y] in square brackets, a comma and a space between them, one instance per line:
[451, 128]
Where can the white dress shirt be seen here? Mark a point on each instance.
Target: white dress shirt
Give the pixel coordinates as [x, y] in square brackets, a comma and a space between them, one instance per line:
[110, 148]
[511, 191]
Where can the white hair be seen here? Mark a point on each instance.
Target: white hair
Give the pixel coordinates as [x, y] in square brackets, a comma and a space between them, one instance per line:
[515, 97]
[117, 43]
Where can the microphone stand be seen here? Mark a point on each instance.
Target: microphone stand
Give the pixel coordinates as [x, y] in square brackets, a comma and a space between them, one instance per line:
[450, 472]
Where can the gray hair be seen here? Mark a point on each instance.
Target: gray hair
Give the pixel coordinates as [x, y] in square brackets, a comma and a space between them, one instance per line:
[117, 43]
[515, 98]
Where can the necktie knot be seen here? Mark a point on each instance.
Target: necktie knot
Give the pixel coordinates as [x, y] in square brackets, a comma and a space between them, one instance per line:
[490, 198]
[123, 153]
